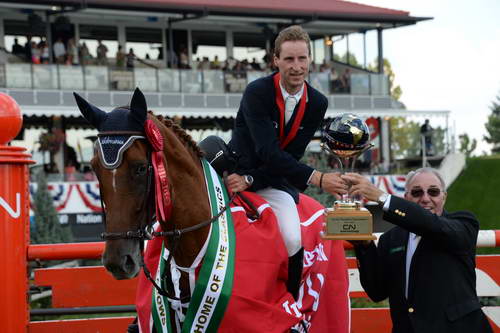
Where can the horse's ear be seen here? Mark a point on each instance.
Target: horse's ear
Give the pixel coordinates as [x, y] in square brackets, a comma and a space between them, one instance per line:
[138, 106]
[93, 114]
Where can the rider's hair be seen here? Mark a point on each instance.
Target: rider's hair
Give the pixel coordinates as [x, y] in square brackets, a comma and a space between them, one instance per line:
[292, 33]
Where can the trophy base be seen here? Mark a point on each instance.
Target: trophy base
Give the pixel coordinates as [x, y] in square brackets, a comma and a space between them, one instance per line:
[348, 221]
[349, 237]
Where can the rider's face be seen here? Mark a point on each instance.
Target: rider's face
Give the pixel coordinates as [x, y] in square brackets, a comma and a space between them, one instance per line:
[293, 64]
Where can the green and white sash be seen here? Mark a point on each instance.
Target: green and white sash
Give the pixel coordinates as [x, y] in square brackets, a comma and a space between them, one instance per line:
[215, 281]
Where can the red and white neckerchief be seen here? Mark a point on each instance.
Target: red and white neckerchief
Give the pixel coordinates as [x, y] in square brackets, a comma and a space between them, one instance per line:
[285, 140]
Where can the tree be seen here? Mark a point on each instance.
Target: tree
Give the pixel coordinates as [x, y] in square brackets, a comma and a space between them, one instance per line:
[406, 139]
[47, 228]
[394, 90]
[466, 146]
[493, 126]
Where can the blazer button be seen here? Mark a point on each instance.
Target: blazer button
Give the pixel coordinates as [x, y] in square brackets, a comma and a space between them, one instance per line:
[411, 310]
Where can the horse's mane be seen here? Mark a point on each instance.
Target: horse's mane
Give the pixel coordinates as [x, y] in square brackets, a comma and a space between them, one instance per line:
[180, 133]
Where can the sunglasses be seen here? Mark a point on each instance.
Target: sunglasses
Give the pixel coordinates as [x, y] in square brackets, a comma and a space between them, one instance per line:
[418, 192]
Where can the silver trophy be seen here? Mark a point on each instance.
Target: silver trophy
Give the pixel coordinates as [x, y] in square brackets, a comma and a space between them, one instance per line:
[345, 138]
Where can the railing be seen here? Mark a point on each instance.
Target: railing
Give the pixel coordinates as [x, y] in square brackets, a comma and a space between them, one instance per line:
[92, 290]
[103, 78]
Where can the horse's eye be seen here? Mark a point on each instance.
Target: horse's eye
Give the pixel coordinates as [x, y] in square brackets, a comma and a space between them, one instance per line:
[141, 170]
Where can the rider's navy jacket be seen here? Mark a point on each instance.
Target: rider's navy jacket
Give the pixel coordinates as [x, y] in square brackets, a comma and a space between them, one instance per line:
[256, 138]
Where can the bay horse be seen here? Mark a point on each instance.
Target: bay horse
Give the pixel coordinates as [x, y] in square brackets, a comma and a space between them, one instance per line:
[150, 169]
[125, 192]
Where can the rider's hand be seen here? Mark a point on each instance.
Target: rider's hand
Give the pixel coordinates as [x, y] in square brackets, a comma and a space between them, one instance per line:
[236, 183]
[334, 184]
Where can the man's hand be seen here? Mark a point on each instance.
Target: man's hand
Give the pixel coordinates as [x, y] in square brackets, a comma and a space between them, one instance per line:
[361, 186]
[236, 183]
[331, 183]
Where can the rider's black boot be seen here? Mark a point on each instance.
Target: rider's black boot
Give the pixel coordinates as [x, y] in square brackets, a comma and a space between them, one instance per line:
[295, 264]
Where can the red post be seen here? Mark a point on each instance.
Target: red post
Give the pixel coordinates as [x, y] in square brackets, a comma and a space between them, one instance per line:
[14, 220]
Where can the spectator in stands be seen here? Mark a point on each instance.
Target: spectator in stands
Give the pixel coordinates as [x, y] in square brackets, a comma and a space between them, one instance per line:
[255, 65]
[324, 67]
[71, 164]
[215, 64]
[72, 52]
[269, 163]
[120, 57]
[44, 52]
[426, 264]
[84, 53]
[183, 56]
[335, 80]
[345, 79]
[35, 53]
[204, 64]
[130, 59]
[17, 49]
[27, 49]
[102, 51]
[426, 132]
[59, 51]
[313, 67]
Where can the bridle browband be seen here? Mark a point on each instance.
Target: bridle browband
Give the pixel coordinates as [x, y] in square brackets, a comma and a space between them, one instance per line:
[147, 232]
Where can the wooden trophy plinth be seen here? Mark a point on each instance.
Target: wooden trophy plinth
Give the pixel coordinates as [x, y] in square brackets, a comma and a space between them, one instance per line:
[348, 221]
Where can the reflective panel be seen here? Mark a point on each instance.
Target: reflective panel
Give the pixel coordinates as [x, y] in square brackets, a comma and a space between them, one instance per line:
[96, 78]
[213, 81]
[18, 75]
[360, 84]
[235, 81]
[379, 84]
[254, 75]
[45, 77]
[191, 81]
[320, 81]
[2, 76]
[71, 77]
[121, 79]
[169, 80]
[145, 78]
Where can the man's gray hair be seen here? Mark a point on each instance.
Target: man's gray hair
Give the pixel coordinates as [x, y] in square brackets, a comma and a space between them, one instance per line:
[412, 175]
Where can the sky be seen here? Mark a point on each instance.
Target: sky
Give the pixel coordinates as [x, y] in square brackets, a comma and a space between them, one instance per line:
[451, 62]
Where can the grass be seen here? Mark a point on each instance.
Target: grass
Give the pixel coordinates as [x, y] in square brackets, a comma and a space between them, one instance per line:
[477, 189]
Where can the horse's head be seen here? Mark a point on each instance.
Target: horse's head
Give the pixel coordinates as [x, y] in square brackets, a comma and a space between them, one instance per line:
[121, 163]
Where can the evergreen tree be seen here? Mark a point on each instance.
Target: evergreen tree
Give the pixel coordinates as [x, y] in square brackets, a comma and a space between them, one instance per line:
[47, 228]
[493, 126]
[466, 146]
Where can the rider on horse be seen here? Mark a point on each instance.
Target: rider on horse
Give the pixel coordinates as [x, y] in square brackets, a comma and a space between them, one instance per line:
[277, 119]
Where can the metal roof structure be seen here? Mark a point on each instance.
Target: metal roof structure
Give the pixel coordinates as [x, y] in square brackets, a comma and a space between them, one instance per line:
[332, 17]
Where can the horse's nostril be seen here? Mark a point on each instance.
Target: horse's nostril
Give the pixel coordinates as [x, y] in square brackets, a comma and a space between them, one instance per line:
[129, 263]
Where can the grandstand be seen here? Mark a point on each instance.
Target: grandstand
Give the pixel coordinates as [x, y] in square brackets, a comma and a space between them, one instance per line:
[169, 38]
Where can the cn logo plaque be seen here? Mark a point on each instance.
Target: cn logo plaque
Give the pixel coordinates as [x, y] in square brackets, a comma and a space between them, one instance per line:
[348, 221]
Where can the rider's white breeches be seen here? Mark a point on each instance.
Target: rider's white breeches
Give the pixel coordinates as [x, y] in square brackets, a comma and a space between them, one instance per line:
[286, 212]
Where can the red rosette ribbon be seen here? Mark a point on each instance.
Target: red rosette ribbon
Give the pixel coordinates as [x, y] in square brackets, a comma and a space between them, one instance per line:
[154, 135]
[163, 200]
